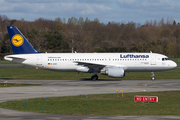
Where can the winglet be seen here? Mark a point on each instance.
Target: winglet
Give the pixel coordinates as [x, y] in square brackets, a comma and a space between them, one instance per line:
[19, 43]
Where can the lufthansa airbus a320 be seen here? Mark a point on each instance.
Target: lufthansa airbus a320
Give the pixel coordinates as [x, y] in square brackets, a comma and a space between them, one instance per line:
[112, 64]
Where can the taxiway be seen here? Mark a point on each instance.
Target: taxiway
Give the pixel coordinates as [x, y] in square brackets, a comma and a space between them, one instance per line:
[51, 88]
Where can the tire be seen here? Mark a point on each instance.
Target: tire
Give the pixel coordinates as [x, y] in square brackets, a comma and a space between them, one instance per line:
[94, 77]
[153, 78]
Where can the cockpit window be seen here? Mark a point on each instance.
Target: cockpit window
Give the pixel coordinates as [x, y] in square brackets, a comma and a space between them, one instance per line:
[164, 59]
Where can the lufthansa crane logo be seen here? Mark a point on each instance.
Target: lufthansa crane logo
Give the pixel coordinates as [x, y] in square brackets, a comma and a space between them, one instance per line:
[17, 40]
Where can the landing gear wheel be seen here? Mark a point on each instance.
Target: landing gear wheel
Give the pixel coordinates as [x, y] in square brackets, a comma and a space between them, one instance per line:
[153, 78]
[94, 77]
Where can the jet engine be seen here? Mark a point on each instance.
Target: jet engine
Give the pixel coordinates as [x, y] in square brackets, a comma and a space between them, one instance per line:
[114, 72]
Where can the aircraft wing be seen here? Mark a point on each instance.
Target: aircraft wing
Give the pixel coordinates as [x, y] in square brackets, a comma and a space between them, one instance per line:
[99, 66]
[94, 66]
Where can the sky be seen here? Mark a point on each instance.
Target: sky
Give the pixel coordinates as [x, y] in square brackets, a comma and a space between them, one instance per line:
[105, 10]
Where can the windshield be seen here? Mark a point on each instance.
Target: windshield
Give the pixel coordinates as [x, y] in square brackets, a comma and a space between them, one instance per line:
[164, 59]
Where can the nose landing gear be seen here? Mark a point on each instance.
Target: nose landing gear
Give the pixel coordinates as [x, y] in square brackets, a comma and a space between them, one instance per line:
[152, 76]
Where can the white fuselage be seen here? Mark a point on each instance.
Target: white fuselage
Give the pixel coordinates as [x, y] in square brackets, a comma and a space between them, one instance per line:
[69, 61]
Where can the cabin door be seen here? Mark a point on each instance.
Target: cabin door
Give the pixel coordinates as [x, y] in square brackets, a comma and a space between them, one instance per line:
[153, 60]
[39, 60]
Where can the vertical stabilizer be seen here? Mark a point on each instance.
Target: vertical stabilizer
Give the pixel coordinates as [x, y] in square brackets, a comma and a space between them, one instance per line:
[19, 43]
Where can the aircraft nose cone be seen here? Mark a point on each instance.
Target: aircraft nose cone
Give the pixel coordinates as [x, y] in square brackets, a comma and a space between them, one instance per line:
[174, 64]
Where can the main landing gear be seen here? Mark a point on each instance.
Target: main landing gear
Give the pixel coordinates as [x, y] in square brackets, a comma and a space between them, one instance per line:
[152, 76]
[94, 77]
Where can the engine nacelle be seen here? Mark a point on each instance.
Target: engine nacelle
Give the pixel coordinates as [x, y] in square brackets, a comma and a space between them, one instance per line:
[114, 72]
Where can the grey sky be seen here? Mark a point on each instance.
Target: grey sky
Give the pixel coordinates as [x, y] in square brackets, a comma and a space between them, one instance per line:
[105, 10]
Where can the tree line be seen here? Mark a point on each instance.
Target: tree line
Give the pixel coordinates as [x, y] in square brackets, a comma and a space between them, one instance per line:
[85, 35]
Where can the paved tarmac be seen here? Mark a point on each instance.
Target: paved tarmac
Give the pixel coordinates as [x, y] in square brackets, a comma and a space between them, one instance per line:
[52, 88]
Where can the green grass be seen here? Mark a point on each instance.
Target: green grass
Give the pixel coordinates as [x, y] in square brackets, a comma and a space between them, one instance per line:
[3, 62]
[17, 85]
[32, 73]
[107, 104]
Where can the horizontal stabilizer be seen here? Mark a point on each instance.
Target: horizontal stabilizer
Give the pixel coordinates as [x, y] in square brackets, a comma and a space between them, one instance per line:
[12, 57]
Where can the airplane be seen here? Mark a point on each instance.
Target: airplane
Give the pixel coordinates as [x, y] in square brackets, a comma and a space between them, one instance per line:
[114, 65]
